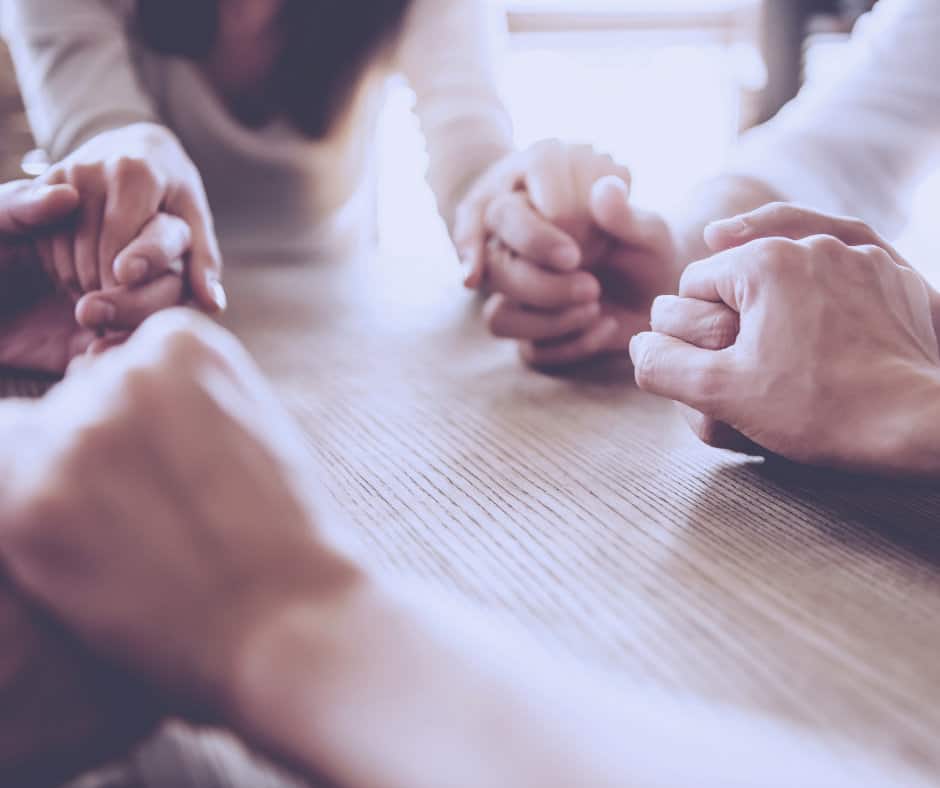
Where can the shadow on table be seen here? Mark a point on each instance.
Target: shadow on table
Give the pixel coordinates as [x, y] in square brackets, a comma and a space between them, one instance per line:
[905, 514]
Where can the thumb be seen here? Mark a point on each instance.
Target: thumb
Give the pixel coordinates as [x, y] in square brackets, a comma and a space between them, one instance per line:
[613, 213]
[27, 208]
[610, 207]
[205, 258]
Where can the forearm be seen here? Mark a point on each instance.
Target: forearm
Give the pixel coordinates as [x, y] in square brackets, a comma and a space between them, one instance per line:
[718, 198]
[76, 71]
[382, 693]
[449, 53]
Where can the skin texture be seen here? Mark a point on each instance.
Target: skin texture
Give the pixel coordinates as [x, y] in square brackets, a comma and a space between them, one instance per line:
[72, 538]
[43, 329]
[125, 179]
[572, 266]
[809, 336]
[212, 571]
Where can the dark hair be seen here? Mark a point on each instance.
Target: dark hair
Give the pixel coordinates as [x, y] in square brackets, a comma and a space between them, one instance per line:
[328, 44]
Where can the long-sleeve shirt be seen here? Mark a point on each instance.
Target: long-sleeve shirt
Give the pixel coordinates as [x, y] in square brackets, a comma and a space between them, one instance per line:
[858, 144]
[273, 192]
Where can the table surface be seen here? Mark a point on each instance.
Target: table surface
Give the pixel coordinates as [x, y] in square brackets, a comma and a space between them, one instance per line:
[583, 511]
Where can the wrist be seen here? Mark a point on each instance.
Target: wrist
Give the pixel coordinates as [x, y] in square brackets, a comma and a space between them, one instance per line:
[289, 650]
[916, 452]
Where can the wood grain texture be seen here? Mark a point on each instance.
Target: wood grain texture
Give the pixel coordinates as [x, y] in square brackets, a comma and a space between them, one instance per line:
[584, 512]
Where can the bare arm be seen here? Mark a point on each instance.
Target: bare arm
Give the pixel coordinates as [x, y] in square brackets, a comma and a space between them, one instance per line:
[388, 689]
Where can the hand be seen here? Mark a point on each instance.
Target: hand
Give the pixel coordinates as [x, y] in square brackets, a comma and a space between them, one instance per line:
[638, 263]
[573, 266]
[38, 328]
[836, 354]
[125, 179]
[205, 538]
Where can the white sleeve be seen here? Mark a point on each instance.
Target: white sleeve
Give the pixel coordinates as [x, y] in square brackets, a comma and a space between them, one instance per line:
[75, 69]
[450, 53]
[856, 145]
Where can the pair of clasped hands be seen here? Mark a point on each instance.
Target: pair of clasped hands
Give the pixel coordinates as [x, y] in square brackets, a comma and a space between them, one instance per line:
[774, 333]
[116, 237]
[794, 325]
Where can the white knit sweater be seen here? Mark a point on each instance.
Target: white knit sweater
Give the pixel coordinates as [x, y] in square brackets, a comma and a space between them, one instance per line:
[272, 191]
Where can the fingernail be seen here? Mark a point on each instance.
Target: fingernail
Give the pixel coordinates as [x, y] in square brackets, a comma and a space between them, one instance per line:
[100, 312]
[135, 270]
[176, 267]
[567, 256]
[735, 226]
[217, 293]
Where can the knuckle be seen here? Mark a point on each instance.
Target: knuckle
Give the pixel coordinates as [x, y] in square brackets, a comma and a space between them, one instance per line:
[139, 387]
[87, 177]
[776, 257]
[135, 171]
[827, 246]
[876, 255]
[861, 229]
[663, 307]
[496, 210]
[186, 343]
[722, 331]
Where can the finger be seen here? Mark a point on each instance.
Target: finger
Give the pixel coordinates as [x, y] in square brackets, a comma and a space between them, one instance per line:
[470, 234]
[159, 249]
[724, 276]
[470, 239]
[132, 202]
[123, 308]
[785, 220]
[91, 187]
[583, 347]
[701, 323]
[103, 345]
[718, 434]
[613, 213]
[205, 260]
[530, 285]
[513, 321]
[559, 177]
[674, 369]
[62, 251]
[28, 206]
[513, 220]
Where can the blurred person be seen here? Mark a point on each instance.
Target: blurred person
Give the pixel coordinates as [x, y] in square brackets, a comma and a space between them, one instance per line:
[254, 121]
[832, 320]
[229, 588]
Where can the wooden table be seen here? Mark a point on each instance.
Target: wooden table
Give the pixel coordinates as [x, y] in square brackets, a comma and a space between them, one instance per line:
[584, 511]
